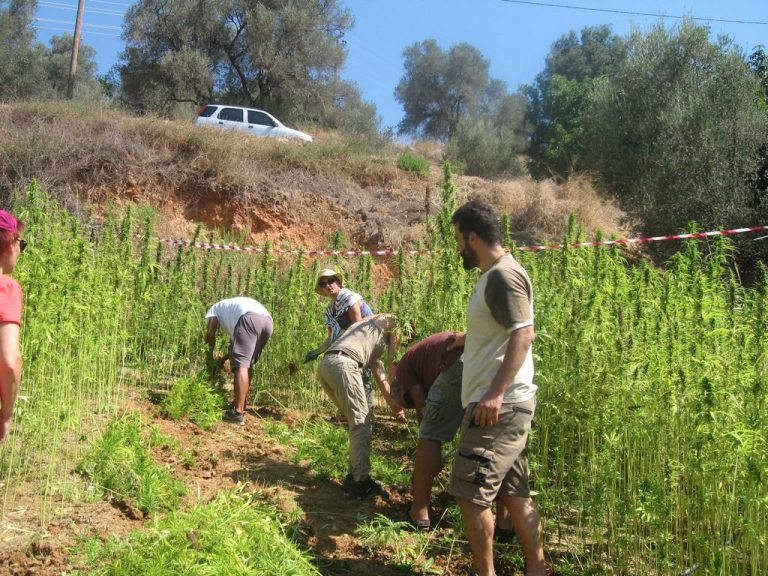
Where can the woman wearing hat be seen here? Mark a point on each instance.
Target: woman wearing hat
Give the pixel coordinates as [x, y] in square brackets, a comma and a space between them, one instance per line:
[11, 245]
[346, 308]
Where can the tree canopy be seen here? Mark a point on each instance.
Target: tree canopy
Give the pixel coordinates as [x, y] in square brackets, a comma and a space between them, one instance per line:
[29, 69]
[451, 97]
[562, 91]
[440, 88]
[22, 59]
[59, 56]
[677, 134]
[282, 56]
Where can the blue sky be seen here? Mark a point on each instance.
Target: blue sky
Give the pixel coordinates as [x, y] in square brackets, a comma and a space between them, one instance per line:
[515, 36]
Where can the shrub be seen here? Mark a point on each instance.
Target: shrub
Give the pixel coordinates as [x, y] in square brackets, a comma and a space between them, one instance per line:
[232, 534]
[410, 162]
[483, 151]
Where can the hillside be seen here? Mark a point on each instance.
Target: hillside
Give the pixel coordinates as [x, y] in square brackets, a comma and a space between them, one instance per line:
[651, 385]
[252, 190]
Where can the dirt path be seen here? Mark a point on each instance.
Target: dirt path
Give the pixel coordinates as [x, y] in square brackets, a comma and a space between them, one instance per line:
[212, 461]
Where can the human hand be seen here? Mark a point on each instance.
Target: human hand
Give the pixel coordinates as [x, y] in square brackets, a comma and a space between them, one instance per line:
[458, 341]
[312, 355]
[397, 410]
[486, 412]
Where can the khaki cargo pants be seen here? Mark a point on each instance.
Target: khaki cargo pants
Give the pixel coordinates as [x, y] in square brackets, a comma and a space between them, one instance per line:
[342, 380]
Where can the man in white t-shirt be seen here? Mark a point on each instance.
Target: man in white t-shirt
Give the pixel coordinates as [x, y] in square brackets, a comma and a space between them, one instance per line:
[498, 394]
[249, 327]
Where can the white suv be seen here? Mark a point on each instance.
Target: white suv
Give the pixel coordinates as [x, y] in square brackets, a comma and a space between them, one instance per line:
[251, 120]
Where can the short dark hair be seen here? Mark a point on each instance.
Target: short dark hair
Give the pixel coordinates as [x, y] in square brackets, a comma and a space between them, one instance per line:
[477, 217]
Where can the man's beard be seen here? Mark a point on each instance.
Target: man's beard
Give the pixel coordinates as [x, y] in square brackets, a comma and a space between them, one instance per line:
[469, 258]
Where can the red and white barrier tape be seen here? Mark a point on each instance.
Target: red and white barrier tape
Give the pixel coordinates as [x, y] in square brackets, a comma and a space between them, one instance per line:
[534, 248]
[647, 239]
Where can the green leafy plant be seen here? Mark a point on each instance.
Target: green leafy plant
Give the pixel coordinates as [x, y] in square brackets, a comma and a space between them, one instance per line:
[231, 534]
[319, 443]
[411, 162]
[396, 538]
[651, 416]
[325, 447]
[194, 396]
[121, 464]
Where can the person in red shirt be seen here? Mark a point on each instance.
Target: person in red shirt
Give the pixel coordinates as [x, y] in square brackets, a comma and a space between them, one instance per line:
[11, 245]
[428, 379]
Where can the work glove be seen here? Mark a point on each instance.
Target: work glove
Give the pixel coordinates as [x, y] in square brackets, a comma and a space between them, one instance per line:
[312, 355]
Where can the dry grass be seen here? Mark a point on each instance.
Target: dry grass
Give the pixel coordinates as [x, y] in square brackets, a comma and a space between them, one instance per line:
[261, 188]
[432, 151]
[543, 209]
[539, 211]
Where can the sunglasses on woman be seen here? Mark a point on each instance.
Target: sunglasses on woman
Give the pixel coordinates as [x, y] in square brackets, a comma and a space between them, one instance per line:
[22, 244]
[328, 282]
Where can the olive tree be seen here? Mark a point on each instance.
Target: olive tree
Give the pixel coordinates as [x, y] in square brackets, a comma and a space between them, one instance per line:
[282, 56]
[440, 88]
[489, 144]
[758, 62]
[676, 136]
[58, 61]
[22, 59]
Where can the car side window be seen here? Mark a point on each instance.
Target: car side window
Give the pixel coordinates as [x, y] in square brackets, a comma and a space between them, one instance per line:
[232, 114]
[256, 117]
[208, 112]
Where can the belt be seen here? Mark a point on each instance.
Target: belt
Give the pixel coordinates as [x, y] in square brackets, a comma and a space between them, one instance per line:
[342, 353]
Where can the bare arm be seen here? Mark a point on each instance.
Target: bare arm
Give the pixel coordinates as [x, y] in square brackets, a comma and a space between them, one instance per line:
[419, 397]
[210, 334]
[393, 340]
[381, 373]
[355, 315]
[324, 346]
[487, 410]
[10, 374]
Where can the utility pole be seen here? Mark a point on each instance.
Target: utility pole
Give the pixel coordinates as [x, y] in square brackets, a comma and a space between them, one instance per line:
[75, 49]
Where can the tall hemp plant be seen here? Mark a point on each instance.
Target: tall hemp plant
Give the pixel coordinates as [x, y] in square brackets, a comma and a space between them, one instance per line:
[431, 291]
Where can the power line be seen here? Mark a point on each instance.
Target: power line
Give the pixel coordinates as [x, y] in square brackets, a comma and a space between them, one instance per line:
[121, 4]
[630, 13]
[59, 6]
[85, 34]
[103, 26]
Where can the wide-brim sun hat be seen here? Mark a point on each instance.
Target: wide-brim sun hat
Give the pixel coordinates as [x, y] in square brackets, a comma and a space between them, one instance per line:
[327, 273]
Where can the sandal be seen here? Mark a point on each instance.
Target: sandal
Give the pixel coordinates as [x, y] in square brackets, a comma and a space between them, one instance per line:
[417, 525]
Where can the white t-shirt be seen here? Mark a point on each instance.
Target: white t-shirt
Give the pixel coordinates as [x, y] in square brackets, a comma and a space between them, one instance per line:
[228, 312]
[501, 303]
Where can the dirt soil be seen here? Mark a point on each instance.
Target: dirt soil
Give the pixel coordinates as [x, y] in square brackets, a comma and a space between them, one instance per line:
[223, 458]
